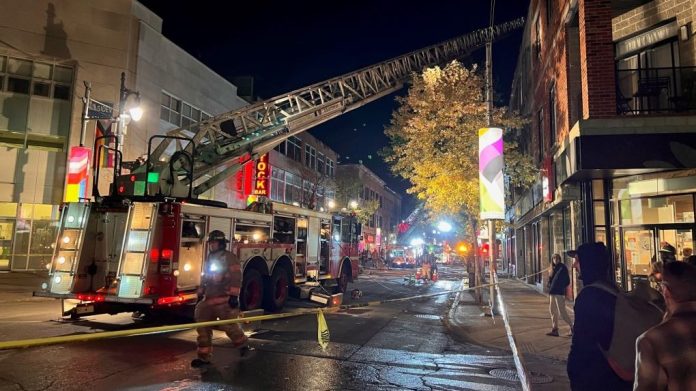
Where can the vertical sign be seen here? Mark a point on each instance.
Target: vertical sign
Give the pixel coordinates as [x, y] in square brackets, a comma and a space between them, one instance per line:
[263, 170]
[244, 177]
[78, 169]
[492, 190]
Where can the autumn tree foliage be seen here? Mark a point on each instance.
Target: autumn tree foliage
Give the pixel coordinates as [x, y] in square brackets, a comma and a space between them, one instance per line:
[434, 140]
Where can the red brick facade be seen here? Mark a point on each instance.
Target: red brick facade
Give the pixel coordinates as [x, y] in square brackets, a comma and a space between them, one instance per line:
[597, 54]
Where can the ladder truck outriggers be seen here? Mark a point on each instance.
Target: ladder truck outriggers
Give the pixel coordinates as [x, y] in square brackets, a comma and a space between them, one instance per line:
[141, 247]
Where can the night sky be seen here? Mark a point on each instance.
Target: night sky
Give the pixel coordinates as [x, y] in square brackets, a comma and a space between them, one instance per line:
[288, 45]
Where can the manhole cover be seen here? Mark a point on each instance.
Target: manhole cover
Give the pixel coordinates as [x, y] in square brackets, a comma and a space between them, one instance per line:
[511, 375]
[428, 316]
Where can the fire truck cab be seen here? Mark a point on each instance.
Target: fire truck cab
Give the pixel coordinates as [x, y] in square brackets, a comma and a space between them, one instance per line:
[122, 256]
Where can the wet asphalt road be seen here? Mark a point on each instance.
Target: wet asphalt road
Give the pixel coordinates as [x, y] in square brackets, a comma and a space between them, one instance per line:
[395, 346]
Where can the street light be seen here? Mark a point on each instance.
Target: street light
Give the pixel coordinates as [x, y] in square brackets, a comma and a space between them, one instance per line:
[126, 113]
[444, 226]
[353, 204]
[331, 204]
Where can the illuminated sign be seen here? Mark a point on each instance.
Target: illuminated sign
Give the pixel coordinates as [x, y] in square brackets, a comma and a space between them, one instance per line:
[546, 177]
[263, 170]
[492, 190]
[78, 169]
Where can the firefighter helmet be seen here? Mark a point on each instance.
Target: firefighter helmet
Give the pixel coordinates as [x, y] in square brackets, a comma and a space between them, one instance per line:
[217, 235]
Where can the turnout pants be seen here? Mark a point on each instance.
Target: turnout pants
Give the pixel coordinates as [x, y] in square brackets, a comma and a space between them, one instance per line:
[213, 309]
[557, 308]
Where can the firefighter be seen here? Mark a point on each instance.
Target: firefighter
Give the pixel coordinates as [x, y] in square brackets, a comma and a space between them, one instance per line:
[219, 298]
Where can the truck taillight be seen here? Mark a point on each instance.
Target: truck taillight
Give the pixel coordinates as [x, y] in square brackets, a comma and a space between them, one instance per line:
[154, 255]
[171, 300]
[167, 254]
[89, 297]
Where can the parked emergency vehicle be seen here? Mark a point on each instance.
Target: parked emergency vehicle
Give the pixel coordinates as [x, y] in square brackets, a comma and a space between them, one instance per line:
[141, 248]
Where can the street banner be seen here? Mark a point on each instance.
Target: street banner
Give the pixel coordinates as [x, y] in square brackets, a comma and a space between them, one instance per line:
[491, 185]
[78, 173]
[106, 157]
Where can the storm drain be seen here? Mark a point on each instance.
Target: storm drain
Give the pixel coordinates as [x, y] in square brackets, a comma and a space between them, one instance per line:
[427, 316]
[511, 375]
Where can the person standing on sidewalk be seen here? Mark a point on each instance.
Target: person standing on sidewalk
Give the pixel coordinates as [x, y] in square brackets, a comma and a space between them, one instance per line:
[588, 368]
[558, 282]
[220, 289]
[666, 353]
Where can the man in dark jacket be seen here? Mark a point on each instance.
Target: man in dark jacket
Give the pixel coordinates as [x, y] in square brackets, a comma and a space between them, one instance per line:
[558, 282]
[588, 368]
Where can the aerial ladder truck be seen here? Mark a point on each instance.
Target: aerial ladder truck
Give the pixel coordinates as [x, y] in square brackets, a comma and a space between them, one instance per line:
[141, 246]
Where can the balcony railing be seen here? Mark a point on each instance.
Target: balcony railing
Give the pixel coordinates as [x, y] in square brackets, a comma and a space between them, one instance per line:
[656, 90]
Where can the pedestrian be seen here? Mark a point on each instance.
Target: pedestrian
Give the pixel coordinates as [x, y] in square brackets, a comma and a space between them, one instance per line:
[666, 353]
[219, 298]
[558, 282]
[588, 368]
[686, 253]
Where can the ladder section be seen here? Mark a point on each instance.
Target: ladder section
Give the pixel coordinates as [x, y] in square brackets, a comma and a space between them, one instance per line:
[256, 129]
[133, 266]
[68, 245]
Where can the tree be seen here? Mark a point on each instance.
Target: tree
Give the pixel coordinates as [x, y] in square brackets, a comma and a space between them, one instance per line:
[366, 210]
[434, 140]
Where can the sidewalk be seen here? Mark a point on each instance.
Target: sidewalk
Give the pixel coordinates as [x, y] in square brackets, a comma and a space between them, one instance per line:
[18, 286]
[528, 311]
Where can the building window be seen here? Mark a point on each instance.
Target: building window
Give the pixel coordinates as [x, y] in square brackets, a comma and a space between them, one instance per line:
[35, 98]
[540, 133]
[329, 168]
[294, 151]
[320, 163]
[310, 157]
[170, 109]
[280, 147]
[277, 184]
[179, 113]
[293, 188]
[553, 115]
[189, 115]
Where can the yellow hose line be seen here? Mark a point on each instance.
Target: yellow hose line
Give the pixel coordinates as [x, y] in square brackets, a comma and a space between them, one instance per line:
[25, 343]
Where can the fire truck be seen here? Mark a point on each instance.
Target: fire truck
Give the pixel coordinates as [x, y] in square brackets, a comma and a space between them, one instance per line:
[141, 247]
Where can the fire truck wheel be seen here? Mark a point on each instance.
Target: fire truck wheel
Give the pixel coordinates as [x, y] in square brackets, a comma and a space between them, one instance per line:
[342, 281]
[252, 290]
[276, 290]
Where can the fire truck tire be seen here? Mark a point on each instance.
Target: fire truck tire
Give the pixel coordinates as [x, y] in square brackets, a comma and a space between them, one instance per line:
[342, 280]
[276, 290]
[252, 290]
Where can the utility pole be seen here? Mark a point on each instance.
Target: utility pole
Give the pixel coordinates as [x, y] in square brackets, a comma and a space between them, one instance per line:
[489, 119]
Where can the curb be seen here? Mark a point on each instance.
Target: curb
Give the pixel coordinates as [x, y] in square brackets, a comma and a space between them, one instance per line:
[458, 330]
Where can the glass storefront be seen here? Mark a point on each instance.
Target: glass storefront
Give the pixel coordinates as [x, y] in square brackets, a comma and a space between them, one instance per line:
[27, 233]
[649, 213]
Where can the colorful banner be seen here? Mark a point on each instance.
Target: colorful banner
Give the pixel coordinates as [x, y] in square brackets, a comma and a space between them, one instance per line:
[78, 174]
[491, 185]
[106, 157]
[263, 173]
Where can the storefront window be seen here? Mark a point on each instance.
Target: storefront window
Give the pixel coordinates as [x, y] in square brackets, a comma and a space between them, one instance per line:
[657, 210]
[34, 233]
[8, 216]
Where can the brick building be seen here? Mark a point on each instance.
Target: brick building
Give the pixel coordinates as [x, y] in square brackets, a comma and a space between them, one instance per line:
[303, 172]
[360, 184]
[609, 88]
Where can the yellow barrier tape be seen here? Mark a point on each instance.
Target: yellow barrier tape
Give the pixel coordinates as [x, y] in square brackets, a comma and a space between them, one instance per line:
[322, 330]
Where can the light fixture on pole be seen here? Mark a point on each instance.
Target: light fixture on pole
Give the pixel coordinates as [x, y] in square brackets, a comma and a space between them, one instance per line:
[353, 204]
[127, 112]
[444, 226]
